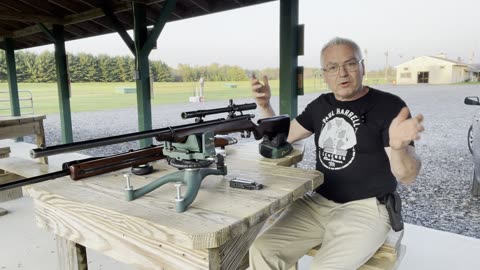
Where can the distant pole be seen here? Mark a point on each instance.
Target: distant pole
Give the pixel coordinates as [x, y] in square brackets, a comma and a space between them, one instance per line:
[386, 66]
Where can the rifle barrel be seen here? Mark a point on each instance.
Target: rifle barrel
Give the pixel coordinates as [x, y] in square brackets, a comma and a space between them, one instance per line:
[33, 180]
[162, 134]
[76, 146]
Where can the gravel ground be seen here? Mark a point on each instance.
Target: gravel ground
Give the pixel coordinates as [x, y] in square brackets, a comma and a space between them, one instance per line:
[440, 198]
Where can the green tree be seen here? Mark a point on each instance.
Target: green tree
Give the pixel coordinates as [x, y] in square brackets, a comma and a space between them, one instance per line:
[44, 68]
[236, 73]
[89, 68]
[122, 69]
[26, 66]
[108, 69]
[161, 72]
[75, 70]
[3, 66]
[187, 73]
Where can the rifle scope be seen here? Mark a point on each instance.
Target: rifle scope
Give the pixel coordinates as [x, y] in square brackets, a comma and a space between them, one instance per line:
[230, 109]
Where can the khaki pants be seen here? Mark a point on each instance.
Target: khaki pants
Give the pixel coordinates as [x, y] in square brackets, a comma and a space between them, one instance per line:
[350, 234]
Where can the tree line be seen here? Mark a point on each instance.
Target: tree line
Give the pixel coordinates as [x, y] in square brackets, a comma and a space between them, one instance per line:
[84, 67]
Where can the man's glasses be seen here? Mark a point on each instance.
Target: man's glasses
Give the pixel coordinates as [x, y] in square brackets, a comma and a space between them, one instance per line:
[351, 66]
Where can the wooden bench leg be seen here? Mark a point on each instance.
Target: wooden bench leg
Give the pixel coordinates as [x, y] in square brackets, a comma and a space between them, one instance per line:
[40, 139]
[71, 256]
[10, 194]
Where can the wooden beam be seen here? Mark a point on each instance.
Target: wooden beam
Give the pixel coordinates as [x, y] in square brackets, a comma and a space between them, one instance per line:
[77, 31]
[25, 17]
[107, 9]
[12, 77]
[96, 13]
[41, 7]
[74, 18]
[47, 32]
[72, 6]
[5, 33]
[202, 4]
[288, 57]
[30, 30]
[158, 26]
[62, 84]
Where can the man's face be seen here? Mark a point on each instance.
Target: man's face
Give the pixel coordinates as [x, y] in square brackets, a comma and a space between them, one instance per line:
[343, 72]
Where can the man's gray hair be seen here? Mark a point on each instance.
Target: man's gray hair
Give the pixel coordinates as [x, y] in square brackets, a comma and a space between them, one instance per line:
[341, 41]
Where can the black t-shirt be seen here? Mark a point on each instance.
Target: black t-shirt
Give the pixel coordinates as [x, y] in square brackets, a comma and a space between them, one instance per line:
[350, 140]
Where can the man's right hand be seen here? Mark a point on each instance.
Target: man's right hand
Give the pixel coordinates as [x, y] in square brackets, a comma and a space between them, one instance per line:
[261, 92]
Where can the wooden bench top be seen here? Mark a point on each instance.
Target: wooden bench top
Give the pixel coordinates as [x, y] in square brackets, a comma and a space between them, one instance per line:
[217, 214]
[15, 120]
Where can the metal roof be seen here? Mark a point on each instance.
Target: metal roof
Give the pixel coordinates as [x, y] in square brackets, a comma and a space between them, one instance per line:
[23, 20]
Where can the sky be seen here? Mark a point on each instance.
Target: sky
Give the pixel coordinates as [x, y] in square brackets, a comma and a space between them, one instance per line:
[249, 37]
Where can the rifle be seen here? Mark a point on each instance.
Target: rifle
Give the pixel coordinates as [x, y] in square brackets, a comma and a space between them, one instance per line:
[189, 146]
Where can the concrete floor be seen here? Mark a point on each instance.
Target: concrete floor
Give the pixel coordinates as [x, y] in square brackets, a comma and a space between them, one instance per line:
[25, 246]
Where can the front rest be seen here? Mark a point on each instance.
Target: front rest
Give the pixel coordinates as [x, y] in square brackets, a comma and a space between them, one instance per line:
[274, 143]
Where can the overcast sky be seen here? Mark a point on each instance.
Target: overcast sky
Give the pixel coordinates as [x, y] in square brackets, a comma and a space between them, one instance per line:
[249, 37]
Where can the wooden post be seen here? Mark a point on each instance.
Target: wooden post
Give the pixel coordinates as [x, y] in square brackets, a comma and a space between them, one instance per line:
[288, 57]
[12, 77]
[62, 84]
[144, 42]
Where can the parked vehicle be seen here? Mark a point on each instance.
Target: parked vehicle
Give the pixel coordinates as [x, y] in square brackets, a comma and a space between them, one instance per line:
[474, 144]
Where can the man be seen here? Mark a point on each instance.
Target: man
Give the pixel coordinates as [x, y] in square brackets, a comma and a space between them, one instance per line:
[364, 144]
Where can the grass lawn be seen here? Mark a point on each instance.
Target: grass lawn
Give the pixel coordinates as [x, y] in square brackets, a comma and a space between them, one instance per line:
[104, 96]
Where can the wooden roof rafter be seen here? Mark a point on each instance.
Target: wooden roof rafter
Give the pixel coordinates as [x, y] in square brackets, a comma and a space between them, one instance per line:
[87, 18]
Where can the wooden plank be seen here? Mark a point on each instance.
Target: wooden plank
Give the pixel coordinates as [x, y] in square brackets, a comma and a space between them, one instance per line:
[71, 256]
[125, 239]
[214, 233]
[250, 151]
[230, 256]
[4, 152]
[22, 17]
[11, 194]
[218, 213]
[19, 129]
[9, 177]
[14, 120]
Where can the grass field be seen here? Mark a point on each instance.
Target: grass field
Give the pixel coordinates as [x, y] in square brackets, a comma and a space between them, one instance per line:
[104, 96]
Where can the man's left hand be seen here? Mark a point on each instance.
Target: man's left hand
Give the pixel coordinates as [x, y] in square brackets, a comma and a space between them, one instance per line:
[403, 130]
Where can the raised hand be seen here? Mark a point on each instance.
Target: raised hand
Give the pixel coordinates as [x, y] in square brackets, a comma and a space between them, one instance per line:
[261, 92]
[403, 130]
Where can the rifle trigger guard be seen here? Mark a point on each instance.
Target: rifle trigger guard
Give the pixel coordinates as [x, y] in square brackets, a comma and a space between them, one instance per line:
[246, 134]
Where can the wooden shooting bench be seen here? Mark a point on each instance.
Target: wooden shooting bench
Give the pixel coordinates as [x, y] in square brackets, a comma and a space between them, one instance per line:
[13, 127]
[215, 232]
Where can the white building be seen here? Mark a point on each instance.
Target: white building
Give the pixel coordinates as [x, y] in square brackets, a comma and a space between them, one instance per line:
[433, 70]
